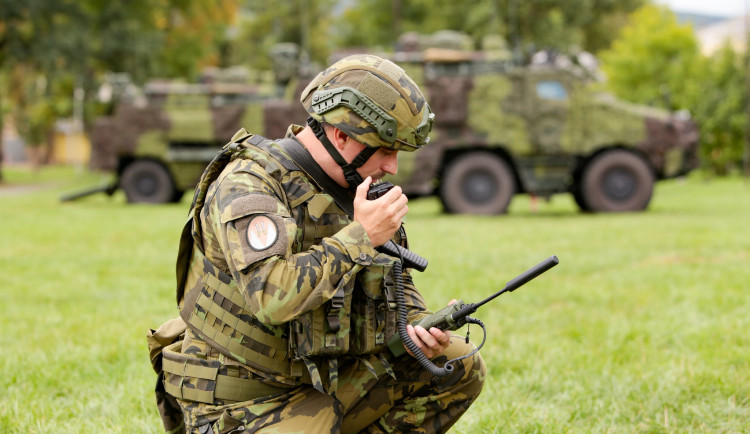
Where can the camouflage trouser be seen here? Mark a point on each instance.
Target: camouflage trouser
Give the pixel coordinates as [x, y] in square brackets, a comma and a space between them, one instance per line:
[414, 402]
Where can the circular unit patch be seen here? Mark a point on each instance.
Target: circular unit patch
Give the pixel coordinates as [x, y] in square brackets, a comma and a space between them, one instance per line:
[262, 233]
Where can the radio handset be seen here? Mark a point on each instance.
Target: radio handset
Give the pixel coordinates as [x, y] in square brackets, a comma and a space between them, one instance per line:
[408, 258]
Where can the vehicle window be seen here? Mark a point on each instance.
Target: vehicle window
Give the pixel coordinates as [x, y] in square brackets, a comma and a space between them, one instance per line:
[551, 90]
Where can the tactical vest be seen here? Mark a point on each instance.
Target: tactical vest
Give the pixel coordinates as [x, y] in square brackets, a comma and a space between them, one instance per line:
[358, 320]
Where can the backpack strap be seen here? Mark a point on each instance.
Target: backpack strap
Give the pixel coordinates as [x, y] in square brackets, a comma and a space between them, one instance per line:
[191, 231]
[307, 164]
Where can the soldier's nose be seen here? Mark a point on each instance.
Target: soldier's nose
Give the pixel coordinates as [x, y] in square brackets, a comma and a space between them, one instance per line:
[391, 165]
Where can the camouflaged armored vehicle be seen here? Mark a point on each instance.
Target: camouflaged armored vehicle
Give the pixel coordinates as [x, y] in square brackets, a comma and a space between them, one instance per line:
[500, 130]
[159, 145]
[539, 129]
[159, 150]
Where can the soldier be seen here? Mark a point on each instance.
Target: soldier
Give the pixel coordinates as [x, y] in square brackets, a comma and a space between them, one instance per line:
[289, 306]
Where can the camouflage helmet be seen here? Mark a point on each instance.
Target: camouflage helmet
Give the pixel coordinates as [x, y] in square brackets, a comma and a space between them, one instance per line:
[371, 100]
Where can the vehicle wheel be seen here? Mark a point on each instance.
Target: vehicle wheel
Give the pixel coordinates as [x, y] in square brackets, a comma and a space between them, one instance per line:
[615, 181]
[477, 183]
[148, 182]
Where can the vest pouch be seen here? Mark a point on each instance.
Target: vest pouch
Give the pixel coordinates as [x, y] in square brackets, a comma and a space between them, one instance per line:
[169, 334]
[325, 331]
[374, 321]
[193, 378]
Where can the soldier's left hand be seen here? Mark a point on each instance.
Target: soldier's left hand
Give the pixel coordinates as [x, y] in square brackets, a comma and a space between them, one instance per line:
[382, 217]
[432, 342]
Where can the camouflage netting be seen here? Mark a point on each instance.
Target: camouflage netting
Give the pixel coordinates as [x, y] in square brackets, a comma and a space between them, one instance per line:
[490, 104]
[119, 135]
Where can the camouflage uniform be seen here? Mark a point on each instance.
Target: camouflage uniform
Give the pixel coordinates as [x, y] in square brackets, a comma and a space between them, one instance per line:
[288, 308]
[316, 250]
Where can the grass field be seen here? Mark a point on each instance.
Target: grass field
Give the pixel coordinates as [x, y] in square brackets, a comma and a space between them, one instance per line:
[643, 327]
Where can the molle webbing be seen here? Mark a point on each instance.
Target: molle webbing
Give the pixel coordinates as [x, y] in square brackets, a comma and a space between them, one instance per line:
[213, 309]
[182, 371]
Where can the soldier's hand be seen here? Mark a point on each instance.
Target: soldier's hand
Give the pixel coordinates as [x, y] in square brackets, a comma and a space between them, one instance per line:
[381, 217]
[432, 342]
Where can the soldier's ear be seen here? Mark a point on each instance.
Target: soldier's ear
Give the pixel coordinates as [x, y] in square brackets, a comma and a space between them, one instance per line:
[339, 138]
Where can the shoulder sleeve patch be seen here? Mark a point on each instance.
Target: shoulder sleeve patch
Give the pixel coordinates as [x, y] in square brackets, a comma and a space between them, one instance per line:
[257, 237]
[261, 232]
[257, 226]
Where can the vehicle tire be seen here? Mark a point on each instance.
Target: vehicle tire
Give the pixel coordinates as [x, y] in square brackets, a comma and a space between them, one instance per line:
[146, 181]
[617, 181]
[477, 183]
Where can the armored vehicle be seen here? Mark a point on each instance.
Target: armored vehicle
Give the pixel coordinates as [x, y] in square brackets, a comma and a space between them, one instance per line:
[501, 129]
[159, 148]
[159, 144]
[539, 129]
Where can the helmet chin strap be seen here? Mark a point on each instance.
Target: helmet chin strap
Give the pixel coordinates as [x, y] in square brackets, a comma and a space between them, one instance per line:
[353, 178]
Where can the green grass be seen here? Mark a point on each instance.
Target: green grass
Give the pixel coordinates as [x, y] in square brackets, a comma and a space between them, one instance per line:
[643, 327]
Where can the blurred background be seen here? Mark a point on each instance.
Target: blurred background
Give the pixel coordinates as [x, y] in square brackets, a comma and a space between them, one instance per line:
[642, 327]
[66, 63]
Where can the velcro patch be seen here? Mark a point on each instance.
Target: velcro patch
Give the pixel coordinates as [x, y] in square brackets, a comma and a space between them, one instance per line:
[253, 203]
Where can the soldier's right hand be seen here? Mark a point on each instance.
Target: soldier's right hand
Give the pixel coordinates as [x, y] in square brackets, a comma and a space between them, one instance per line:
[381, 217]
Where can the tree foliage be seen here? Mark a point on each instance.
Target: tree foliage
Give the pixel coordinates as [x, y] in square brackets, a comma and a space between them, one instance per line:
[38, 52]
[263, 24]
[48, 48]
[380, 22]
[718, 104]
[555, 24]
[650, 59]
[656, 61]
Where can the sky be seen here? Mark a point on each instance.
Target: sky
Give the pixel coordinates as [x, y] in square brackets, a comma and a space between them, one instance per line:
[709, 7]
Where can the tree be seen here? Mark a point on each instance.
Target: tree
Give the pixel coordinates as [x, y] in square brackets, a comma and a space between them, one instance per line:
[532, 24]
[36, 46]
[50, 47]
[193, 35]
[719, 109]
[591, 25]
[652, 57]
